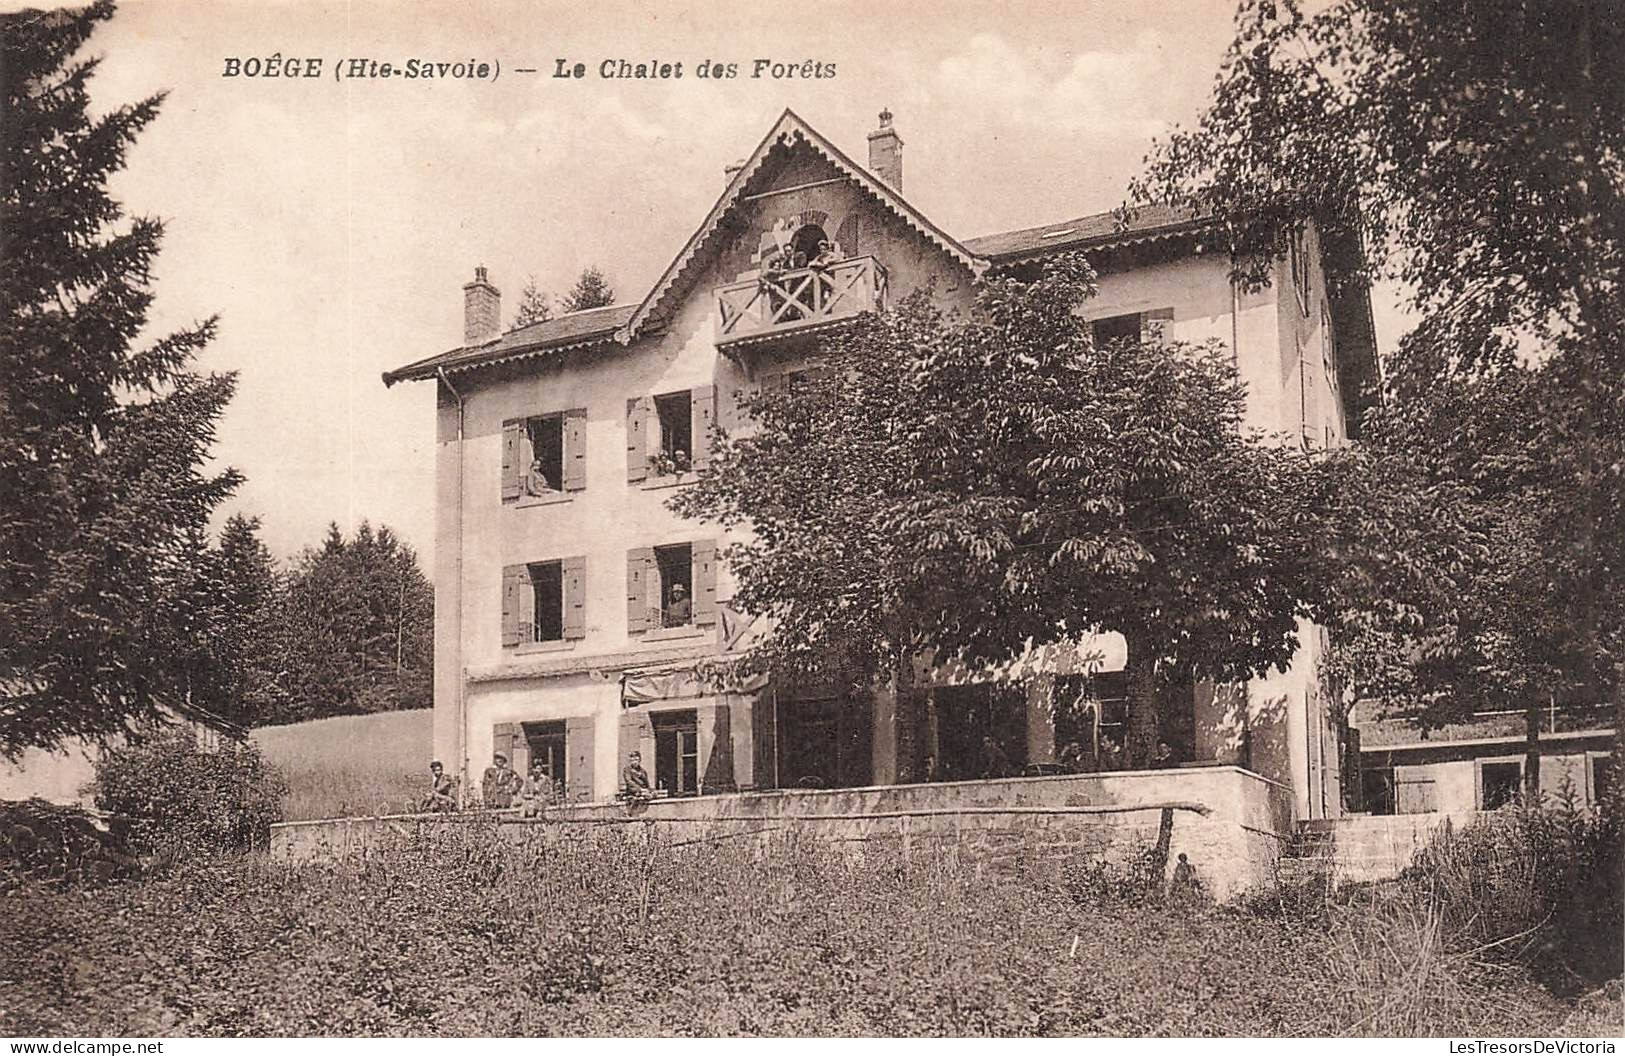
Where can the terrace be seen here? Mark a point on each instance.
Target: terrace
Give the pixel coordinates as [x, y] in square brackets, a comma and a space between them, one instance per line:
[800, 299]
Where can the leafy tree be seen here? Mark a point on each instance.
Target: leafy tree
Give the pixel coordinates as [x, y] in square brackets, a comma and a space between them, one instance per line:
[592, 290]
[358, 629]
[959, 486]
[534, 306]
[1476, 152]
[102, 444]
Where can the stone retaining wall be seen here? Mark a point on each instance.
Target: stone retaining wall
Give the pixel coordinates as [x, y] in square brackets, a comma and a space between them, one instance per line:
[1229, 822]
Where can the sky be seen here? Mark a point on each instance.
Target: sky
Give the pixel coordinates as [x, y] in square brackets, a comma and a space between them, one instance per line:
[331, 226]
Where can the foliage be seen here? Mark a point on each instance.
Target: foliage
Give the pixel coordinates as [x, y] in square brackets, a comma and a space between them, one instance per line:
[60, 846]
[534, 306]
[1540, 886]
[592, 290]
[181, 799]
[357, 629]
[482, 933]
[962, 485]
[1477, 153]
[103, 445]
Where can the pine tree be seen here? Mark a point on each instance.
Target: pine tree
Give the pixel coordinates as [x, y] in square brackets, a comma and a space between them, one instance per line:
[592, 290]
[103, 445]
[534, 306]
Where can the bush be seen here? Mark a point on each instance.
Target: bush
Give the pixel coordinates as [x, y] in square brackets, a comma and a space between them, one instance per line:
[180, 799]
[1538, 886]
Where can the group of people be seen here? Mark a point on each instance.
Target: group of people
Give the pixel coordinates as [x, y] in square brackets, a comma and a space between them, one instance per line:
[501, 788]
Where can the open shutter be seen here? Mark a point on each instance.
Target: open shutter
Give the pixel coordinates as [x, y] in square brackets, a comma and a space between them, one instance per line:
[729, 397]
[519, 750]
[705, 582]
[575, 597]
[1154, 325]
[502, 740]
[575, 450]
[639, 415]
[702, 403]
[578, 757]
[525, 599]
[510, 604]
[512, 468]
[635, 730]
[639, 571]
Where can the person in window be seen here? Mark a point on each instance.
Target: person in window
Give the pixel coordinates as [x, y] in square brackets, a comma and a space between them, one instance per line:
[536, 482]
[442, 797]
[635, 779]
[679, 459]
[679, 610]
[994, 762]
[500, 784]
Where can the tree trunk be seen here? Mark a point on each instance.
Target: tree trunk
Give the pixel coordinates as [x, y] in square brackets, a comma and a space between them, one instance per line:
[906, 709]
[1531, 752]
[1141, 676]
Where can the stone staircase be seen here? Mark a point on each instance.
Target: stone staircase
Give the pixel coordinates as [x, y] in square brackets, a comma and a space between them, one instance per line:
[1310, 855]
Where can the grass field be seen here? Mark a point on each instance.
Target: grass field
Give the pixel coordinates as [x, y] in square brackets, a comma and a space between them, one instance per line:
[353, 764]
[475, 935]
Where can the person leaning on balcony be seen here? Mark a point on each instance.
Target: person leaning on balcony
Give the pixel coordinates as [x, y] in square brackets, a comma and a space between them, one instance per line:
[500, 783]
[537, 790]
[679, 610]
[827, 256]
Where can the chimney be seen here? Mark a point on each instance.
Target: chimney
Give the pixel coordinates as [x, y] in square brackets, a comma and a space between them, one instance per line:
[886, 153]
[732, 170]
[482, 310]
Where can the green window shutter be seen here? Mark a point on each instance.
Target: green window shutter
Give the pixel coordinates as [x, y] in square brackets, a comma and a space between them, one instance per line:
[575, 597]
[702, 404]
[510, 604]
[578, 757]
[639, 565]
[705, 582]
[575, 450]
[1154, 325]
[525, 604]
[512, 468]
[639, 415]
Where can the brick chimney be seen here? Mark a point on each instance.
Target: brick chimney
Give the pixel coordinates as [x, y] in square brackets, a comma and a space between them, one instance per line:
[482, 310]
[886, 153]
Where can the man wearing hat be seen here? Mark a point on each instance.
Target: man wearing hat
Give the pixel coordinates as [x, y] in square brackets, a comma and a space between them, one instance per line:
[679, 610]
[500, 784]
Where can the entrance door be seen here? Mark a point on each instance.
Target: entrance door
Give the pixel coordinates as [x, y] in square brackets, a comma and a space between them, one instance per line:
[677, 752]
[810, 745]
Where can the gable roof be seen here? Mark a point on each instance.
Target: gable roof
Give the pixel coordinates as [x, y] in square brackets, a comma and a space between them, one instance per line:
[788, 131]
[1098, 230]
[593, 326]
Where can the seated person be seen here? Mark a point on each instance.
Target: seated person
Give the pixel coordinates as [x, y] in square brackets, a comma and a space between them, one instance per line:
[679, 610]
[442, 797]
[635, 779]
[536, 482]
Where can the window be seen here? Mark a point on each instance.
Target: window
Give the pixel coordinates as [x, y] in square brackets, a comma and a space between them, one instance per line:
[1377, 794]
[677, 752]
[671, 586]
[1074, 701]
[669, 435]
[1135, 326]
[676, 441]
[809, 748]
[1602, 778]
[547, 592]
[1498, 784]
[546, 743]
[544, 601]
[1300, 270]
[1116, 328]
[544, 456]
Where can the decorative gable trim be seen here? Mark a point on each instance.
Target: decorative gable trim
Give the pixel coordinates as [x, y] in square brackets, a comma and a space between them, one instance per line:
[786, 133]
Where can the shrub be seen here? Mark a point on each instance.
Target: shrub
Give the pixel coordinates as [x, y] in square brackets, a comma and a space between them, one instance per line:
[1536, 885]
[180, 799]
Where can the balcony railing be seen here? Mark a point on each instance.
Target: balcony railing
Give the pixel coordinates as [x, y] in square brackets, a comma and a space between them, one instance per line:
[785, 301]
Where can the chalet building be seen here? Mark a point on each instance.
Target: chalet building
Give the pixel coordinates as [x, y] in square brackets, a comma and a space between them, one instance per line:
[572, 605]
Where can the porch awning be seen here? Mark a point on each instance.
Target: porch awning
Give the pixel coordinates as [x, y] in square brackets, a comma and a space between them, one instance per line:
[676, 683]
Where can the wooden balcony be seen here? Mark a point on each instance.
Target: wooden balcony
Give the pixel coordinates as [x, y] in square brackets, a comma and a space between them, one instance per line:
[786, 302]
